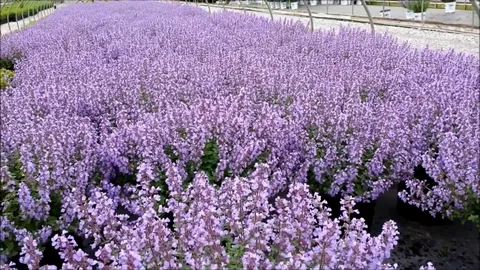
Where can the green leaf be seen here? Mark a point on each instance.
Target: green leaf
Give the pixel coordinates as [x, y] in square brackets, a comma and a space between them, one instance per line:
[209, 161]
[182, 133]
[171, 153]
[190, 169]
[262, 158]
[235, 252]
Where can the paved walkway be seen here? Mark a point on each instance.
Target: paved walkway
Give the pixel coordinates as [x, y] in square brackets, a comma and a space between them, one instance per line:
[14, 26]
[416, 36]
[460, 17]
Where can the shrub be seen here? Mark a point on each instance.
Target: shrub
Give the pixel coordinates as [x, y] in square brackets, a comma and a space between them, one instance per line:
[6, 77]
[418, 6]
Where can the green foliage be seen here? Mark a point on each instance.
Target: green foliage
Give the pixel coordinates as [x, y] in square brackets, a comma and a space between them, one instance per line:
[146, 100]
[9, 246]
[363, 175]
[123, 179]
[471, 212]
[11, 207]
[235, 252]
[209, 161]
[14, 10]
[6, 64]
[130, 178]
[55, 205]
[418, 6]
[190, 168]
[313, 185]
[182, 133]
[262, 158]
[227, 172]
[171, 153]
[363, 95]
[289, 101]
[15, 167]
[164, 192]
[312, 132]
[97, 177]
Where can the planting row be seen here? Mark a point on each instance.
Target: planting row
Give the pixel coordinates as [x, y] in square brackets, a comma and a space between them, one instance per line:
[159, 136]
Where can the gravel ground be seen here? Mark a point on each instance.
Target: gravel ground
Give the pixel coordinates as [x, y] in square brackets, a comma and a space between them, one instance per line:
[466, 43]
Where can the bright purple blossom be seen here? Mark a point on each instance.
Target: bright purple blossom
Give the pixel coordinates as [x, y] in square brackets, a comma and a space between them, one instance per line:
[169, 137]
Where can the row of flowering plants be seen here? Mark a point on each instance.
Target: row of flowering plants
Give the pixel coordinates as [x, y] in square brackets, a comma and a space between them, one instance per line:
[158, 136]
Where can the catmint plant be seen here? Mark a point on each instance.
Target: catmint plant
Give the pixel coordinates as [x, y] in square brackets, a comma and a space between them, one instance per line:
[151, 135]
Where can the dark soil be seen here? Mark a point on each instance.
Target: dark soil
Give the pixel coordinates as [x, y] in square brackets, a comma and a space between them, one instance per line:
[447, 246]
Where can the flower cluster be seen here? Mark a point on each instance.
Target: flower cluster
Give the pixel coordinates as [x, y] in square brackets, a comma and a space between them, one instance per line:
[163, 137]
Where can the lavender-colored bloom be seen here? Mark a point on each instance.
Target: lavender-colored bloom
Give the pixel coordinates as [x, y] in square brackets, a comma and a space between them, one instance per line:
[168, 136]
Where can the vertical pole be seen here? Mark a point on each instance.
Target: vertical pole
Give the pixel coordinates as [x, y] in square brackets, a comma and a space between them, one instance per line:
[16, 17]
[41, 9]
[208, 5]
[422, 11]
[243, 7]
[383, 9]
[269, 9]
[28, 10]
[36, 11]
[369, 16]
[309, 14]
[8, 16]
[22, 7]
[473, 18]
[475, 7]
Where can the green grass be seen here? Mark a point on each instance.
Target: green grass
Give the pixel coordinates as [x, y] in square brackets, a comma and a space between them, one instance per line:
[15, 9]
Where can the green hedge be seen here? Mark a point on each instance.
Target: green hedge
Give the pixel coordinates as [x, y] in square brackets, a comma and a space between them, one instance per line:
[10, 10]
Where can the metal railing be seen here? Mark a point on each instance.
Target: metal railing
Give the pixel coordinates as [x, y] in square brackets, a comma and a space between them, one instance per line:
[437, 14]
[16, 14]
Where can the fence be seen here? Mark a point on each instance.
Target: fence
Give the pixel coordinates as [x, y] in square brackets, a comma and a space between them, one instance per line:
[16, 14]
[446, 14]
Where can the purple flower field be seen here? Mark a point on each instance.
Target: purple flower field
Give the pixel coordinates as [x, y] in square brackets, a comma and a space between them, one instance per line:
[159, 136]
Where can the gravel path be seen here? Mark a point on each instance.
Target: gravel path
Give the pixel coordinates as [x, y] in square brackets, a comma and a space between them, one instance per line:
[460, 17]
[418, 38]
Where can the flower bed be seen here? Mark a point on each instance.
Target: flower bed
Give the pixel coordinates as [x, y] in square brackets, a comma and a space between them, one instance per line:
[158, 135]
